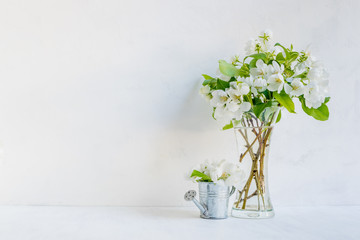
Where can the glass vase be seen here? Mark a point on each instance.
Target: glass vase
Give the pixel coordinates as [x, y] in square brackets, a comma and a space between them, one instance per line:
[253, 141]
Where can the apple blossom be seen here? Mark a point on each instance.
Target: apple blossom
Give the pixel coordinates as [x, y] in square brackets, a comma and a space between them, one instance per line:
[296, 87]
[219, 172]
[266, 80]
[276, 83]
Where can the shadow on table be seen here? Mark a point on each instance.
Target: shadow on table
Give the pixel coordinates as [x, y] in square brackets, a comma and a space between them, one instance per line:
[168, 213]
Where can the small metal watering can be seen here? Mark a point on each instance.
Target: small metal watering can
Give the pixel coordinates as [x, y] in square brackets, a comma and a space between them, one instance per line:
[214, 199]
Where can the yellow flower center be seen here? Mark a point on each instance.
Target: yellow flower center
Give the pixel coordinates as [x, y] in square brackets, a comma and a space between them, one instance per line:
[237, 97]
[223, 98]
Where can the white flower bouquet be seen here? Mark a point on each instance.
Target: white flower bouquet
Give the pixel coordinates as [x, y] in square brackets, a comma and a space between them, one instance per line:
[267, 79]
[219, 172]
[248, 95]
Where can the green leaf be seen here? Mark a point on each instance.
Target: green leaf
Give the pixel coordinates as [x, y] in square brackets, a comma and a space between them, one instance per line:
[258, 56]
[285, 101]
[244, 70]
[285, 50]
[302, 75]
[307, 110]
[267, 94]
[257, 101]
[327, 99]
[213, 113]
[293, 56]
[252, 63]
[280, 58]
[206, 82]
[232, 79]
[222, 85]
[321, 113]
[202, 176]
[228, 126]
[228, 69]
[207, 77]
[210, 82]
[288, 72]
[278, 117]
[258, 109]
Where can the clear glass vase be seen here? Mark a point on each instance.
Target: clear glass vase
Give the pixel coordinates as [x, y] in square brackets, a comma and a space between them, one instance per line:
[253, 141]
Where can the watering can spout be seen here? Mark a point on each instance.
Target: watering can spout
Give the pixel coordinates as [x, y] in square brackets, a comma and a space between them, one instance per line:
[190, 196]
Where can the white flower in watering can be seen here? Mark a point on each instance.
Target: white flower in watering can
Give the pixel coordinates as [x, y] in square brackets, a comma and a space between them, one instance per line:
[216, 184]
[220, 172]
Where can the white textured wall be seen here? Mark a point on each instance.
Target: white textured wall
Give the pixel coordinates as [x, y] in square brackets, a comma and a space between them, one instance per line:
[99, 103]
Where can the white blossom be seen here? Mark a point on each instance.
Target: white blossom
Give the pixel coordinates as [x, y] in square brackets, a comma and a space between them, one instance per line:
[229, 104]
[219, 99]
[310, 58]
[257, 84]
[316, 90]
[261, 69]
[205, 92]
[215, 170]
[223, 115]
[232, 106]
[296, 88]
[251, 46]
[222, 172]
[314, 96]
[242, 107]
[317, 73]
[203, 166]
[237, 90]
[276, 83]
[299, 69]
[261, 44]
[276, 69]
[301, 77]
[245, 106]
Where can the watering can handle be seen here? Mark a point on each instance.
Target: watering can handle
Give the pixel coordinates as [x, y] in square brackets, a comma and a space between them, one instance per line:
[232, 191]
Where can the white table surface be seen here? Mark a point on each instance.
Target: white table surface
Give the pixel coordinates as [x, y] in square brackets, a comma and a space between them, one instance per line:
[171, 223]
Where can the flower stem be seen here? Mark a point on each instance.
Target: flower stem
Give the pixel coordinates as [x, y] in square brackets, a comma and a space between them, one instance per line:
[257, 167]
